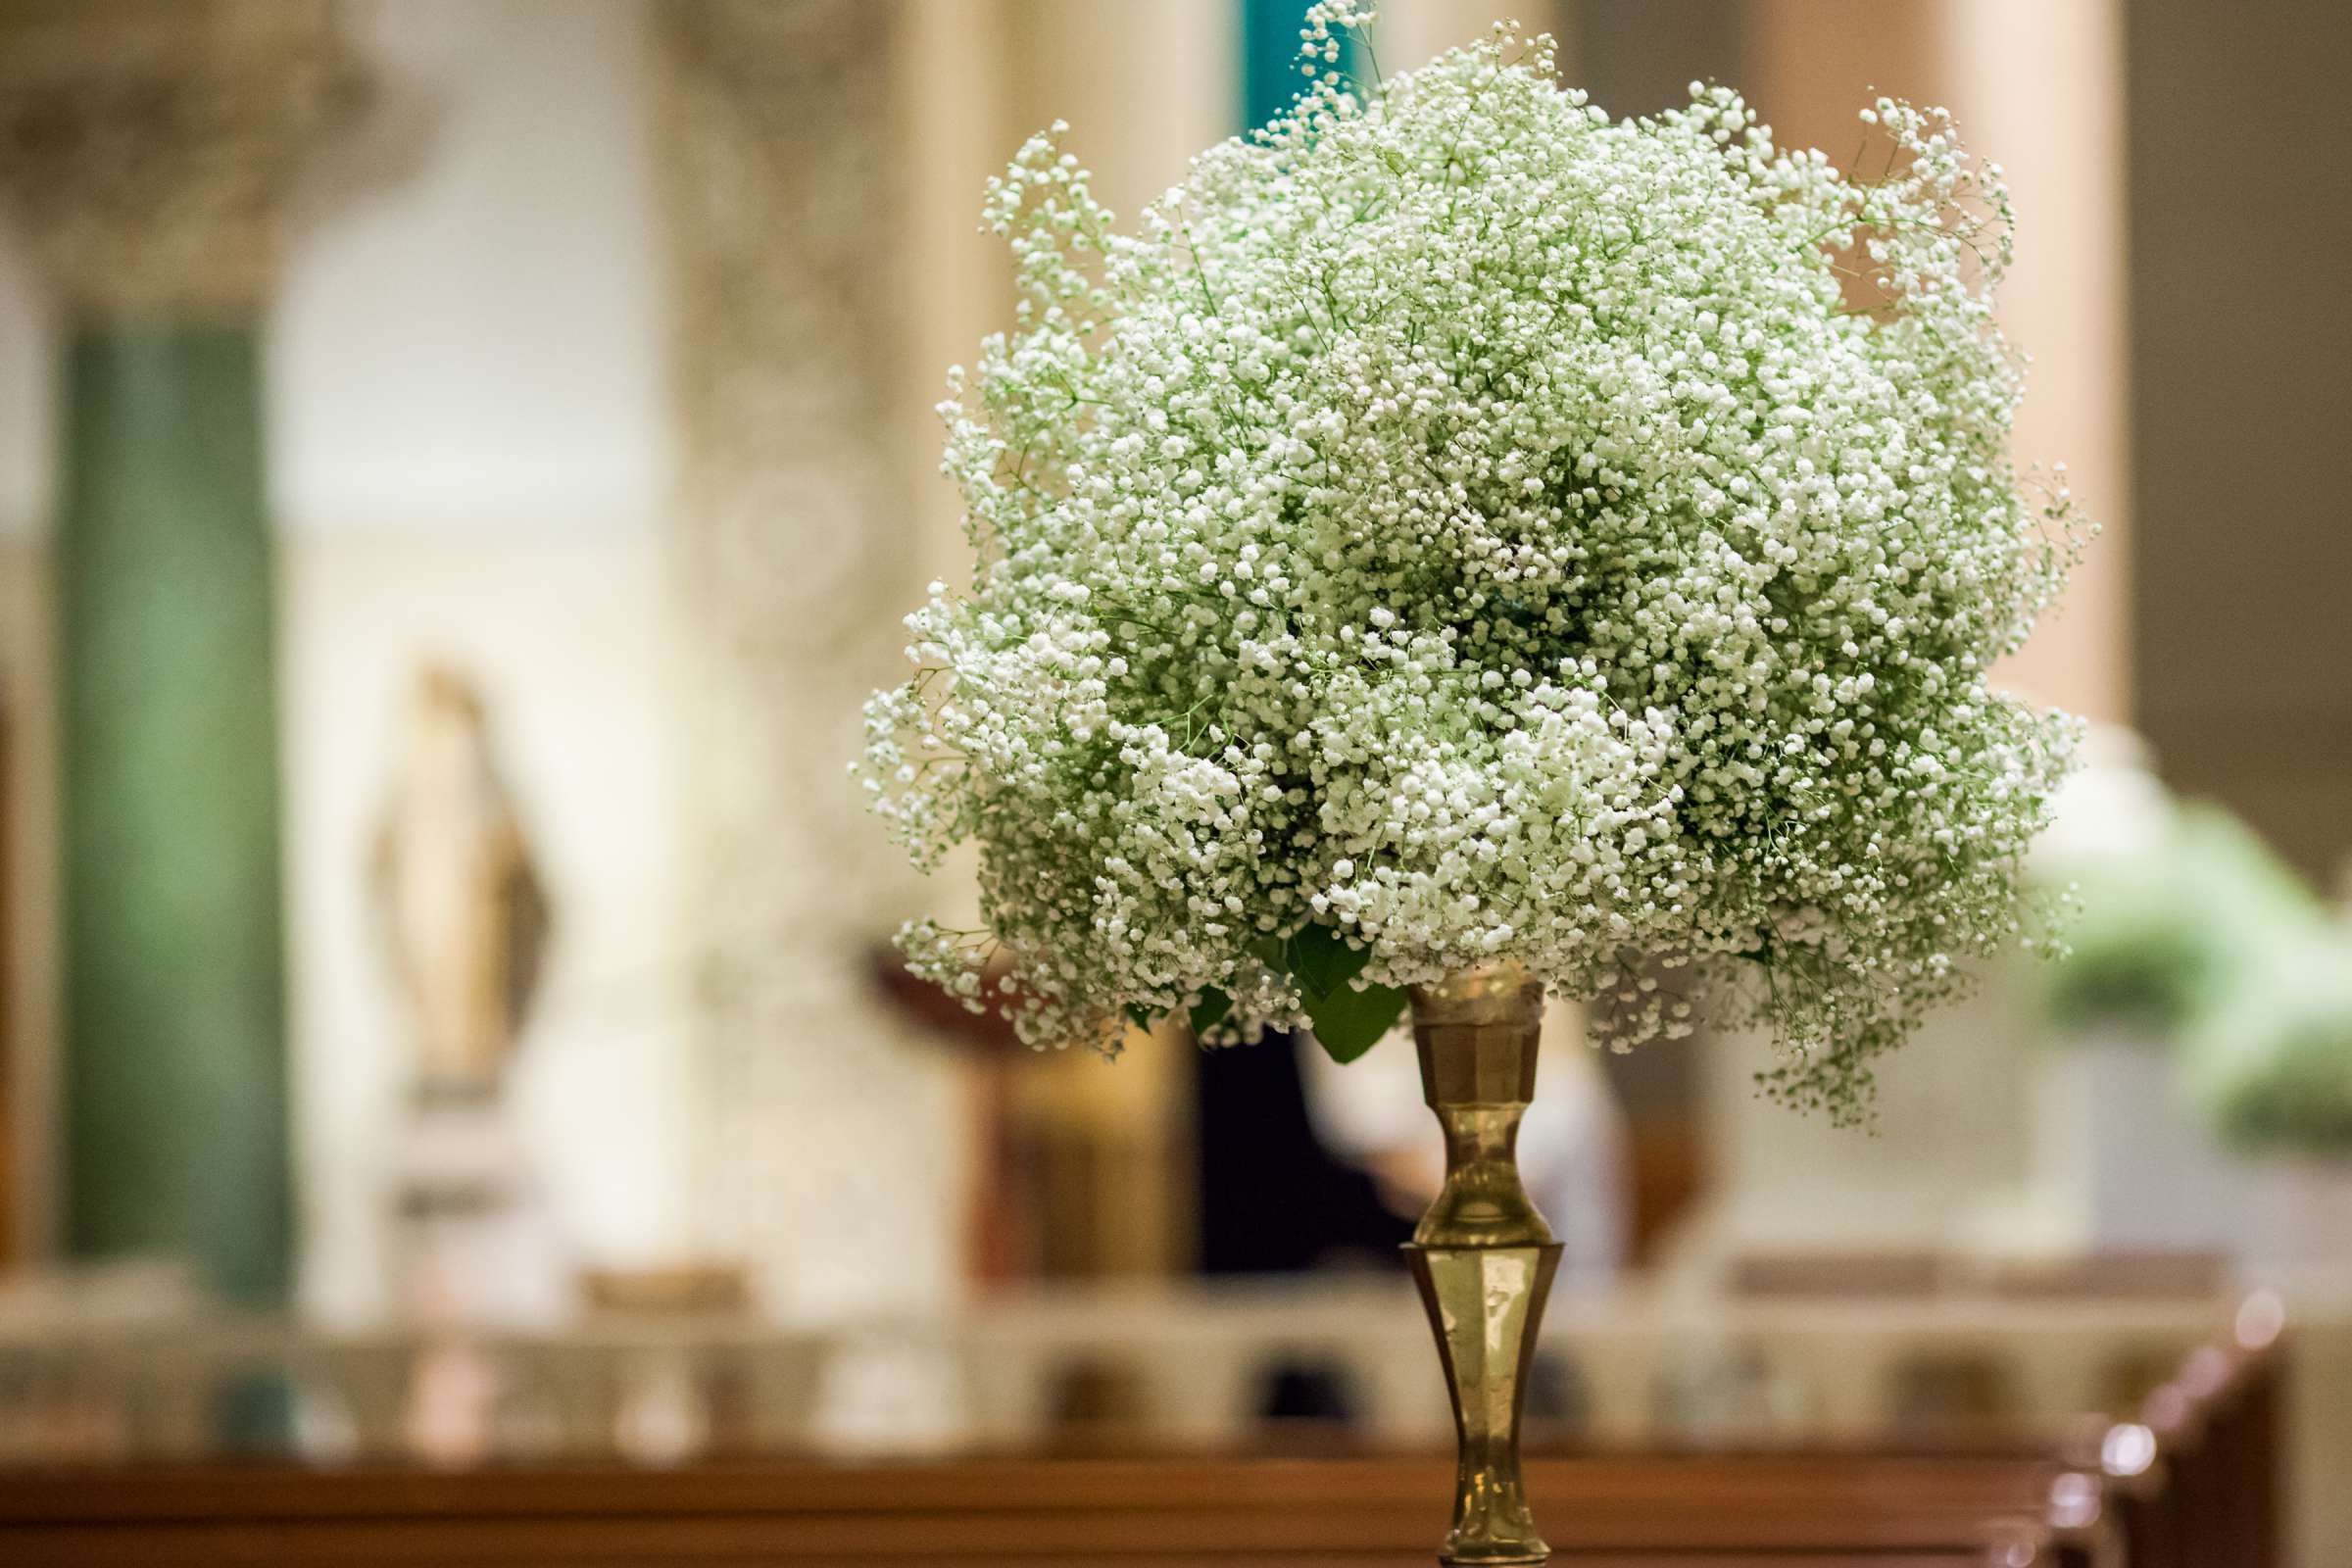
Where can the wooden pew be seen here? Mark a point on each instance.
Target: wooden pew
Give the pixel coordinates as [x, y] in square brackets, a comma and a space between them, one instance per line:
[2195, 1476]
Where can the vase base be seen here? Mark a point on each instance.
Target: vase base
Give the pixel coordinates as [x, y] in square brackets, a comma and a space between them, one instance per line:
[1485, 1303]
[1528, 1551]
[1515, 1554]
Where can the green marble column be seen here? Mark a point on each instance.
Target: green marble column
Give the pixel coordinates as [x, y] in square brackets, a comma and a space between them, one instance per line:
[174, 1059]
[151, 183]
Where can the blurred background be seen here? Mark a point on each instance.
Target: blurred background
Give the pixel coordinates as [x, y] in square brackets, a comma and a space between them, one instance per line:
[462, 465]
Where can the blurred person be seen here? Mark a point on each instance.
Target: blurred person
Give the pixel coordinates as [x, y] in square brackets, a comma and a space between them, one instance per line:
[1571, 1140]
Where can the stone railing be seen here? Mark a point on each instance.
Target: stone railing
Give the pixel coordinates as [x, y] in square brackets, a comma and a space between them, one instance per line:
[1158, 1368]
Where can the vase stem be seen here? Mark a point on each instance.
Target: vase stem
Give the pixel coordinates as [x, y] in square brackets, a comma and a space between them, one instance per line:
[1483, 1255]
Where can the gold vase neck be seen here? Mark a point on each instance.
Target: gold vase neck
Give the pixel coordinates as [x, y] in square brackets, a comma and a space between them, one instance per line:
[1478, 1034]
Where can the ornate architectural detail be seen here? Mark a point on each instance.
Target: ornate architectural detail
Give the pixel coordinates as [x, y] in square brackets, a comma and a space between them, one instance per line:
[149, 150]
[829, 1132]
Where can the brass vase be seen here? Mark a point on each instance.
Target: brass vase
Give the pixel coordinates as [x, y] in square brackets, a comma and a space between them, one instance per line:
[1483, 1256]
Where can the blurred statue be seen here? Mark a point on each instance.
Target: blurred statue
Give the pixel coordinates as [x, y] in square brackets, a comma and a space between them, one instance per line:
[466, 918]
[465, 910]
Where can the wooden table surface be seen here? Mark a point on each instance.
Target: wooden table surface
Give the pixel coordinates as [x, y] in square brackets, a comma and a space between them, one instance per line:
[1787, 1511]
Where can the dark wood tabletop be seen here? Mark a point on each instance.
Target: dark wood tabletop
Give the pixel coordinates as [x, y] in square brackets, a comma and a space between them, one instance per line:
[1787, 1512]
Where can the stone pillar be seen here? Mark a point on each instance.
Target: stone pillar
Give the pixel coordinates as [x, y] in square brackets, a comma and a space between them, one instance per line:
[2028, 76]
[830, 1133]
[147, 153]
[2037, 88]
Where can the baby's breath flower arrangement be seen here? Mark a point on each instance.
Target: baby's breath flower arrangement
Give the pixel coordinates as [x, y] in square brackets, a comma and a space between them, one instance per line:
[1456, 529]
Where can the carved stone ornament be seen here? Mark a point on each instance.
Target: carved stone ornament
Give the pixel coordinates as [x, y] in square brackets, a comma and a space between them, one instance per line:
[148, 150]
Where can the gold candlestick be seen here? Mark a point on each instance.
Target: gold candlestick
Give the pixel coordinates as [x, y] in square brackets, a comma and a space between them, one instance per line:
[1483, 1255]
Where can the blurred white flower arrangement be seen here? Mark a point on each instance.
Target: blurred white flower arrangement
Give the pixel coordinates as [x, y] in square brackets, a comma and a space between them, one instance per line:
[2172, 931]
[2202, 939]
[1456, 528]
[2274, 1069]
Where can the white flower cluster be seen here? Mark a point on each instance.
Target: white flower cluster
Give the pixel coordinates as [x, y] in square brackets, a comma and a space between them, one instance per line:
[1481, 531]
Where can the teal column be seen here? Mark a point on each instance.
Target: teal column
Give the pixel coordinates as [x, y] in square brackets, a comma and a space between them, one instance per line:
[175, 1060]
[1268, 55]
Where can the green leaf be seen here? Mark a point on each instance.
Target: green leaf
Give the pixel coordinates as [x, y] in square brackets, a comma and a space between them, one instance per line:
[1211, 1010]
[1139, 1016]
[1323, 961]
[1350, 1023]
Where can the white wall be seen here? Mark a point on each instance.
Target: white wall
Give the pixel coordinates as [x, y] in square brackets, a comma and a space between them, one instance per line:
[565, 636]
[470, 331]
